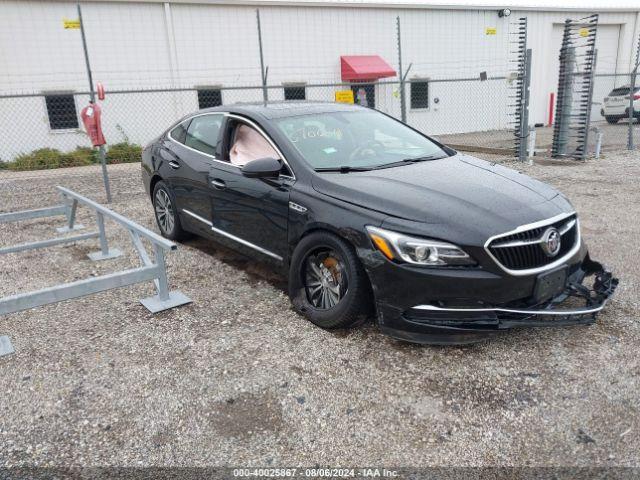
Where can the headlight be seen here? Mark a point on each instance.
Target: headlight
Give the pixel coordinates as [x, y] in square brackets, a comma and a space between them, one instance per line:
[418, 251]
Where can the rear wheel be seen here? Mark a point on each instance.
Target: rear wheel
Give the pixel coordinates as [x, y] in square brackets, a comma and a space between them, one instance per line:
[327, 283]
[164, 207]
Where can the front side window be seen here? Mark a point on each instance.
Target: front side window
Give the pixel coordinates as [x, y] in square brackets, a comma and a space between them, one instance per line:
[248, 144]
[203, 133]
[61, 111]
[359, 139]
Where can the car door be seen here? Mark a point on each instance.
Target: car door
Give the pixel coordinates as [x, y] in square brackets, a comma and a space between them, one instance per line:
[191, 163]
[250, 213]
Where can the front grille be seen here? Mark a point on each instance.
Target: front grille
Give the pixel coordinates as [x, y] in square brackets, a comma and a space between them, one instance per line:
[523, 250]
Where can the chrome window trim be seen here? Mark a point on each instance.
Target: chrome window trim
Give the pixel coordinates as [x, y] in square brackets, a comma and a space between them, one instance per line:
[529, 226]
[232, 237]
[238, 117]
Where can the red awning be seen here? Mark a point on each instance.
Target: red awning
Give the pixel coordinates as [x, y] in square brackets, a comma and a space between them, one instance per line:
[364, 67]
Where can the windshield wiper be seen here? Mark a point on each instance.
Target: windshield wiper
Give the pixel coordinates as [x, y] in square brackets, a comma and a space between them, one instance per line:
[405, 161]
[343, 169]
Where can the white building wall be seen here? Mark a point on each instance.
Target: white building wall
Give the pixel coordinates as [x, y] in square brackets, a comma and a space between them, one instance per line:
[180, 45]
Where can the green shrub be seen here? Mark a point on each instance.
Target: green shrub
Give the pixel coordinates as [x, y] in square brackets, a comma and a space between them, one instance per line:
[37, 160]
[42, 158]
[79, 157]
[124, 152]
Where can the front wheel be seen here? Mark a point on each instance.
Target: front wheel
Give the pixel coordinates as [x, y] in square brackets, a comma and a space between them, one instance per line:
[612, 120]
[327, 283]
[164, 207]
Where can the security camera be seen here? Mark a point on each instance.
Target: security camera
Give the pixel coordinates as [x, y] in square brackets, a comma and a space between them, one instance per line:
[505, 12]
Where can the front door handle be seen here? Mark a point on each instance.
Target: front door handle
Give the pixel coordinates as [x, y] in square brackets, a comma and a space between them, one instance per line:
[173, 164]
[218, 184]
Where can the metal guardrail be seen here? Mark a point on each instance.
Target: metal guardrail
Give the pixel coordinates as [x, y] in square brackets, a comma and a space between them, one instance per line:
[153, 267]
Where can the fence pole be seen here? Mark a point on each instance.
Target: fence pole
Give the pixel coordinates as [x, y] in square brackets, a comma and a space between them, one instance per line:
[632, 89]
[265, 94]
[403, 105]
[92, 96]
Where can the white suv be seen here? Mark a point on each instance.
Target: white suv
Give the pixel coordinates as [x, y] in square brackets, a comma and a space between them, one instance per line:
[616, 104]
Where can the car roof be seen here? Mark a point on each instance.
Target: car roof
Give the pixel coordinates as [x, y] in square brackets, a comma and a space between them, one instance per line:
[284, 109]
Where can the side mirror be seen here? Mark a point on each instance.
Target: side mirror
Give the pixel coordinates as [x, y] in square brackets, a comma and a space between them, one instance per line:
[262, 168]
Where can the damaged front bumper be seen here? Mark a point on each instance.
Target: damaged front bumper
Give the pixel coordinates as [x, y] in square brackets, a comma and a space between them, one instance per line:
[576, 305]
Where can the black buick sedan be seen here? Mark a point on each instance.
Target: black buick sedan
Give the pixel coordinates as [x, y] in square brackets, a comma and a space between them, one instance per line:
[370, 217]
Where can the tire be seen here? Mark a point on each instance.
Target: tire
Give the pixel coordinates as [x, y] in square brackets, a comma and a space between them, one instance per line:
[612, 120]
[329, 253]
[164, 202]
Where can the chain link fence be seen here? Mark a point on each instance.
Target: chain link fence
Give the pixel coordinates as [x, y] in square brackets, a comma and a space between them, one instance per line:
[610, 112]
[37, 125]
[162, 61]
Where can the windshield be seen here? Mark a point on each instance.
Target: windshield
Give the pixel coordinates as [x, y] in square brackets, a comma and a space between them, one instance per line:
[356, 140]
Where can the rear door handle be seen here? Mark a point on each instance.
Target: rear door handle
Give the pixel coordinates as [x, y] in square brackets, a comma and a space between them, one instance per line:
[219, 184]
[173, 164]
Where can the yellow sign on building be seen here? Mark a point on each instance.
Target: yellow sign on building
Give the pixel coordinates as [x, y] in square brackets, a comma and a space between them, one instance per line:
[584, 32]
[344, 96]
[491, 31]
[70, 24]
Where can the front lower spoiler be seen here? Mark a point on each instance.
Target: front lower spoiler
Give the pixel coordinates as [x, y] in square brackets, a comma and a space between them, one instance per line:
[458, 325]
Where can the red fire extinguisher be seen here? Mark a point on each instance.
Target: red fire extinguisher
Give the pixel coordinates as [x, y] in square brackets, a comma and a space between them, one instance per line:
[91, 119]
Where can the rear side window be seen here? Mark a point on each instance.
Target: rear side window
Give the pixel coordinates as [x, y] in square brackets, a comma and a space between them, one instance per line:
[179, 133]
[203, 133]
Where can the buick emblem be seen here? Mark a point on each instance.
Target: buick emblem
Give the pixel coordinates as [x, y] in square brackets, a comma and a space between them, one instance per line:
[551, 240]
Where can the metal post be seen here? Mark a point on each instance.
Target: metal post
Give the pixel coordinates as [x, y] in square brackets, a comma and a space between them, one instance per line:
[92, 93]
[92, 97]
[524, 118]
[632, 89]
[6, 348]
[566, 101]
[105, 176]
[71, 208]
[104, 252]
[631, 111]
[71, 218]
[403, 105]
[532, 143]
[587, 125]
[163, 285]
[263, 74]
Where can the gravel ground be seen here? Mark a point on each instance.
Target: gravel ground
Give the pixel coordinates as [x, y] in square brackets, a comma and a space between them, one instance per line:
[237, 378]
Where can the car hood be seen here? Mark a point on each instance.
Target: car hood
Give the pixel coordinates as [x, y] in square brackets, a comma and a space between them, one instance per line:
[462, 190]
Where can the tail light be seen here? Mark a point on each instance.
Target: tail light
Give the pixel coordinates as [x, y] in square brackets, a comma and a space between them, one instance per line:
[636, 96]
